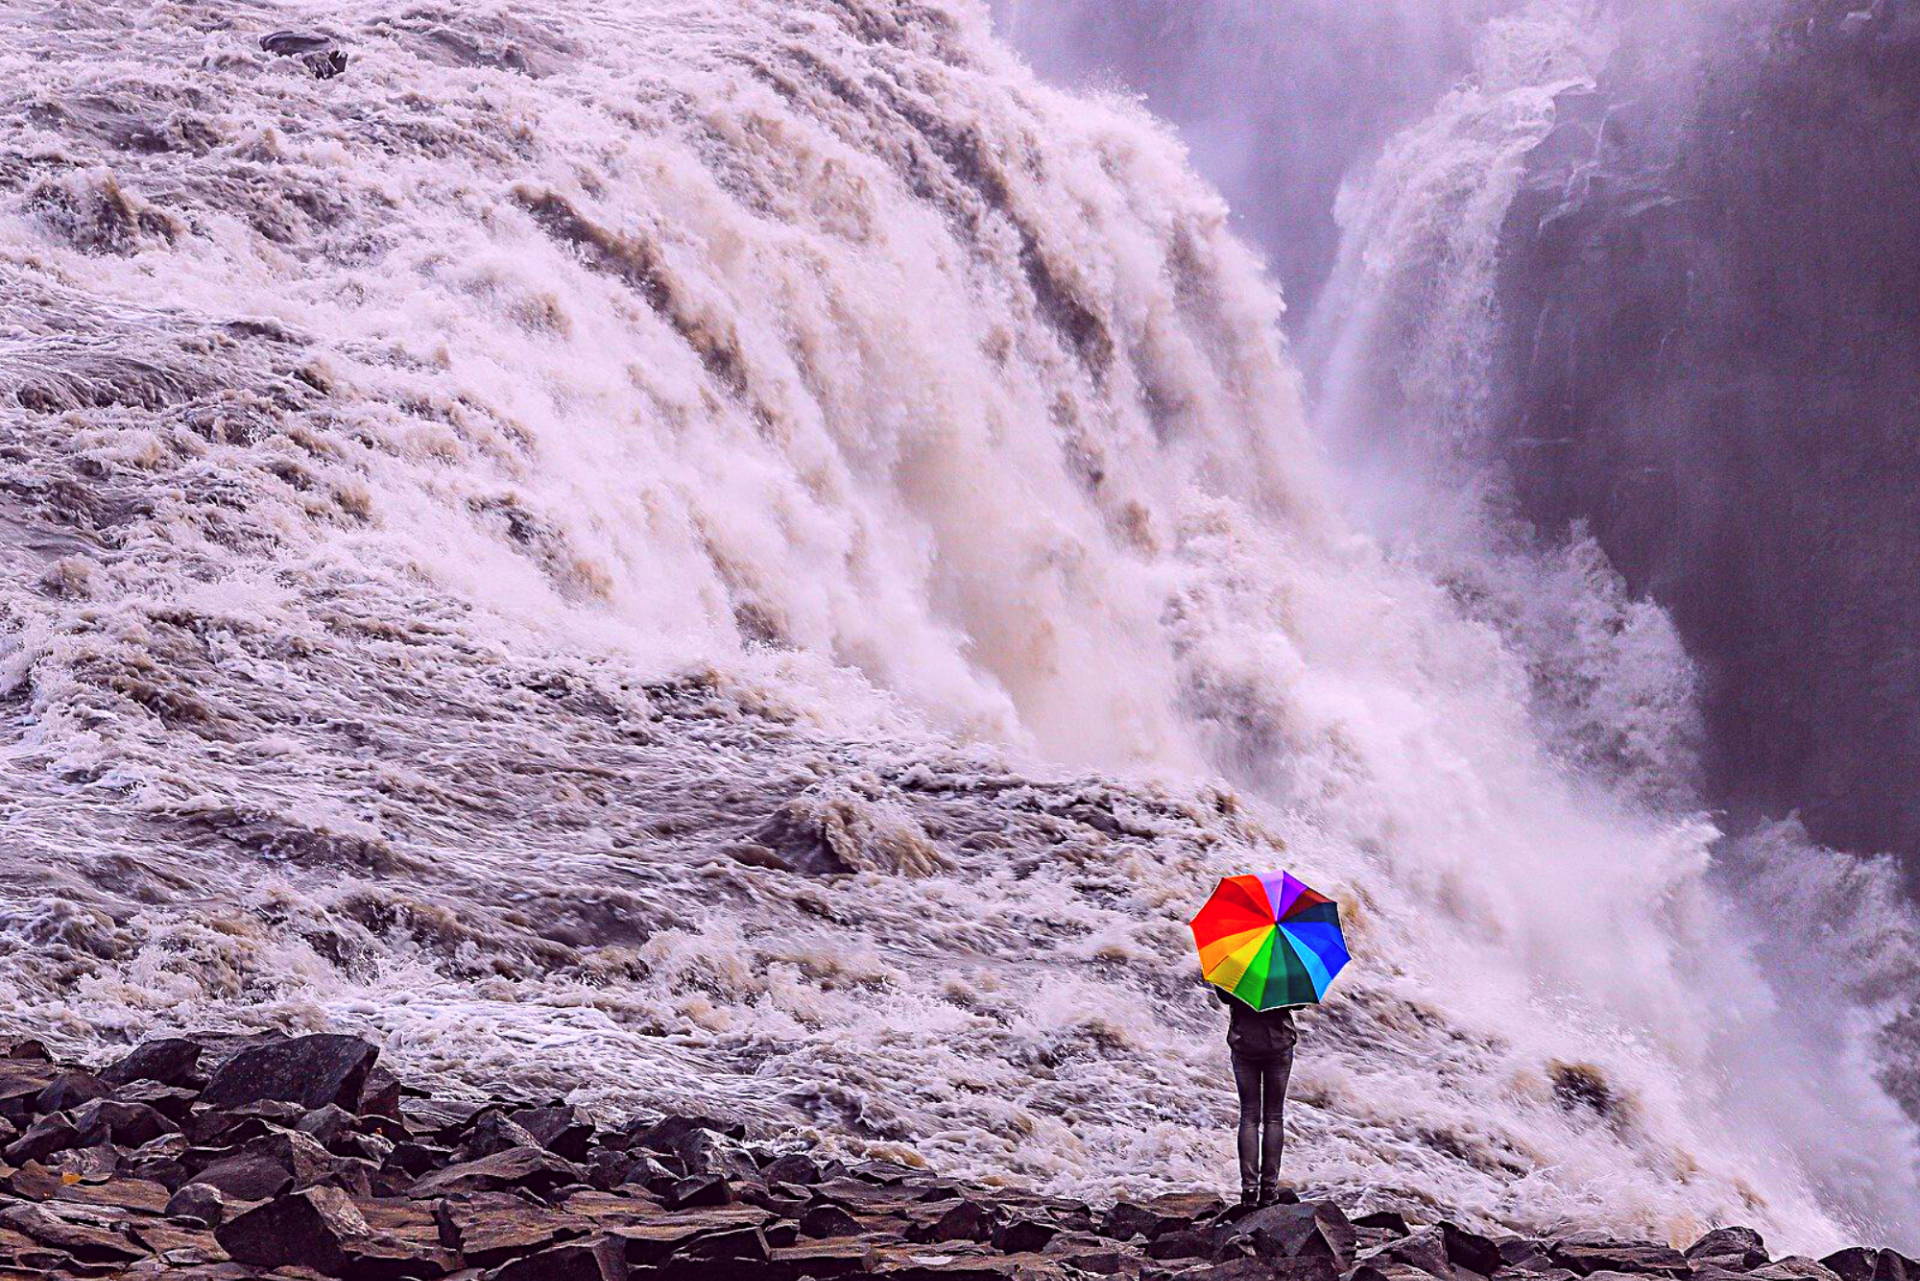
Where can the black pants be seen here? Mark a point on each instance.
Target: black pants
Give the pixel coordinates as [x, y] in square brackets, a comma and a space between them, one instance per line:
[1262, 1082]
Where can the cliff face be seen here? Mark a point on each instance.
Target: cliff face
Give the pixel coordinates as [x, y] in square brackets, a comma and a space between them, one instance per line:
[1711, 312]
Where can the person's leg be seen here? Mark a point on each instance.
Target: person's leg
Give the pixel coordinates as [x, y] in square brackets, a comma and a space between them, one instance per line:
[1274, 1073]
[1247, 1079]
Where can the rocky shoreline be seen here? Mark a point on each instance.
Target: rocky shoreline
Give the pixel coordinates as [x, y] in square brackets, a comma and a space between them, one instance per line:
[228, 1157]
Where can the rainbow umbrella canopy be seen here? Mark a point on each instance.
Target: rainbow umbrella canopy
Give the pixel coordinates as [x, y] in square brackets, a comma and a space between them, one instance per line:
[1270, 940]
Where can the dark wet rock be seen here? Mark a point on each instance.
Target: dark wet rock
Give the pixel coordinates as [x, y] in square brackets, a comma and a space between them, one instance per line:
[1587, 1257]
[381, 1095]
[1853, 1264]
[795, 1167]
[130, 1125]
[534, 1170]
[1736, 1249]
[441, 1120]
[42, 1139]
[85, 1242]
[318, 1229]
[319, 54]
[1522, 1254]
[1389, 1221]
[1128, 1219]
[839, 1259]
[69, 1090]
[311, 1071]
[27, 1048]
[326, 1125]
[174, 1102]
[1424, 1249]
[246, 1176]
[825, 1221]
[201, 1203]
[966, 1221]
[698, 1190]
[601, 1259]
[492, 1132]
[1298, 1231]
[491, 1227]
[668, 1133]
[170, 1060]
[1189, 1243]
[1793, 1268]
[562, 1130]
[704, 1152]
[20, 1081]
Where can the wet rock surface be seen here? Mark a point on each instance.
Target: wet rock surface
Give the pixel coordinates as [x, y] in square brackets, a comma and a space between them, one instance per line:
[297, 1158]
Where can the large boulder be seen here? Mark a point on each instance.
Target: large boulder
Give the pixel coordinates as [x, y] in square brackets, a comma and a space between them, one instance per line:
[169, 1060]
[311, 1071]
[534, 1170]
[318, 1229]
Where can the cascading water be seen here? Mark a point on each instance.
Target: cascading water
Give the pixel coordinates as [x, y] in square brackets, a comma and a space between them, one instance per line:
[755, 555]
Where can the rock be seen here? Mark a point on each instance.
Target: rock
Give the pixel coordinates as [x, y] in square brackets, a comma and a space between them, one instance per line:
[1185, 1243]
[565, 1131]
[318, 1229]
[85, 1242]
[1736, 1249]
[201, 1203]
[796, 1168]
[535, 1170]
[1793, 1268]
[234, 1126]
[827, 1221]
[492, 1132]
[1895, 1266]
[317, 53]
[28, 1048]
[20, 1081]
[440, 1120]
[170, 1061]
[601, 1259]
[1128, 1219]
[1469, 1250]
[1424, 1250]
[666, 1134]
[492, 1227]
[43, 1138]
[69, 1090]
[1854, 1264]
[311, 1071]
[1521, 1254]
[699, 1190]
[822, 1261]
[246, 1176]
[324, 1125]
[130, 1125]
[381, 1096]
[704, 1152]
[1304, 1230]
[967, 1221]
[175, 1102]
[1587, 1257]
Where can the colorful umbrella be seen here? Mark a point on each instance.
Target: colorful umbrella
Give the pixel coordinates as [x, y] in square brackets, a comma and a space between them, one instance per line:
[1270, 940]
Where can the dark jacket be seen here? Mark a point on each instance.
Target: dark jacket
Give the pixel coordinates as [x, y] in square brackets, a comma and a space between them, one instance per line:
[1257, 1034]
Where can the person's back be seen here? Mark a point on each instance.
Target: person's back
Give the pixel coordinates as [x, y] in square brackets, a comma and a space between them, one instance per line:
[1262, 1044]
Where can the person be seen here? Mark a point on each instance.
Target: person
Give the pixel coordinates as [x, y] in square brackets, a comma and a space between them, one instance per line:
[1261, 1043]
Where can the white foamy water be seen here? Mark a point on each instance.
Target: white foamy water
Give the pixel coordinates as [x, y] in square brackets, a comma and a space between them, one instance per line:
[460, 514]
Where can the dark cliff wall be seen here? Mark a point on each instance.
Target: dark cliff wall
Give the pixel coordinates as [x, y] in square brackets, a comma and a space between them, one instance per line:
[1711, 307]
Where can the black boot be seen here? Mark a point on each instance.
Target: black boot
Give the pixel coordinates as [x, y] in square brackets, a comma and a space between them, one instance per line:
[1269, 1192]
[1249, 1195]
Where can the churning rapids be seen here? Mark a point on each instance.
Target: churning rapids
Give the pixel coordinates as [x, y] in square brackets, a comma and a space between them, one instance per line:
[755, 556]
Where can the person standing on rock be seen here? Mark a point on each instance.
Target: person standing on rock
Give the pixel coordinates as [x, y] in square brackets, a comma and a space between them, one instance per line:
[1267, 943]
[1261, 1043]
